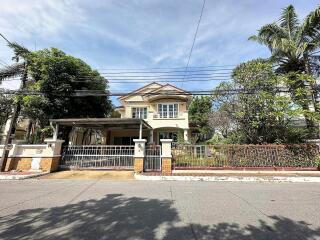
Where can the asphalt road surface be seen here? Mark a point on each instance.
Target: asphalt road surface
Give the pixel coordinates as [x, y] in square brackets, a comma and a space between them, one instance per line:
[97, 209]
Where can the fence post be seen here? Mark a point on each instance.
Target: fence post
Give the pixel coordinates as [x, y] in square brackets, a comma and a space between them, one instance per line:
[139, 154]
[51, 156]
[166, 156]
[11, 157]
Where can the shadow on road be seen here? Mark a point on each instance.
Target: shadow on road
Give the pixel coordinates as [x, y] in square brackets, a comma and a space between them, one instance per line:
[118, 217]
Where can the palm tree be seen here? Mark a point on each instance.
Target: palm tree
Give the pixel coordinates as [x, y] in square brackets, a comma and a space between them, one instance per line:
[294, 47]
[18, 69]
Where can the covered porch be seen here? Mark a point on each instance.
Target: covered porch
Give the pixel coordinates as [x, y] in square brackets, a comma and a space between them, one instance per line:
[116, 131]
[103, 131]
[108, 143]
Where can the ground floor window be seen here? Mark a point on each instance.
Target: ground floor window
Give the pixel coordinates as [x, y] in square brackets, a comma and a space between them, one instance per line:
[124, 140]
[200, 151]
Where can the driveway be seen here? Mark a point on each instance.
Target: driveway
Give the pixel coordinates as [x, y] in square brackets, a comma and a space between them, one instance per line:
[97, 209]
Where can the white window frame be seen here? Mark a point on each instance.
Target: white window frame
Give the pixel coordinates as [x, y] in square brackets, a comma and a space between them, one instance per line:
[139, 112]
[167, 115]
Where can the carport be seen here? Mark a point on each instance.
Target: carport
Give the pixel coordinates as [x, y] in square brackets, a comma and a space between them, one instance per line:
[109, 126]
[105, 155]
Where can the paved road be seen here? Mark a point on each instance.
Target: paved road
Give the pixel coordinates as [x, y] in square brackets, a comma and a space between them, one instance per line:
[93, 209]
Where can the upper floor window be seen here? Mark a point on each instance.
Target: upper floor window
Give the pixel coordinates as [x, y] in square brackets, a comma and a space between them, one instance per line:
[139, 112]
[169, 110]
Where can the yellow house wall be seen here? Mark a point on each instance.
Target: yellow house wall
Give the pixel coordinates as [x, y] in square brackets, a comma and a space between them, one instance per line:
[180, 122]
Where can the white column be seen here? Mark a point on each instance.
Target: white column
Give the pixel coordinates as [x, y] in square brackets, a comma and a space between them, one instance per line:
[53, 147]
[151, 136]
[185, 135]
[55, 132]
[140, 131]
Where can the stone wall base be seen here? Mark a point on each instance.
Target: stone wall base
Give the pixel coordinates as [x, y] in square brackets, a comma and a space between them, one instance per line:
[166, 165]
[47, 164]
[138, 164]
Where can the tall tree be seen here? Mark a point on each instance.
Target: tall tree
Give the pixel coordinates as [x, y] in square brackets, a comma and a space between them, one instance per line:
[57, 76]
[294, 47]
[260, 113]
[18, 69]
[199, 111]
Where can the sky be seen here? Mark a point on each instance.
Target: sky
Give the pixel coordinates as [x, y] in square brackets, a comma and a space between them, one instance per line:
[112, 34]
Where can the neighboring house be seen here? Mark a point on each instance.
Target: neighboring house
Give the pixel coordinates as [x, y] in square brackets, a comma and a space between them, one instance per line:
[21, 130]
[163, 107]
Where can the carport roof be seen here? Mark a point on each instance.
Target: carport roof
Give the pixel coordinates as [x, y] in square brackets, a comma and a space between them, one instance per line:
[126, 123]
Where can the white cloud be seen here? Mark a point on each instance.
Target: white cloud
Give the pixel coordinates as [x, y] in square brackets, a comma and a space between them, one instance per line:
[143, 33]
[25, 19]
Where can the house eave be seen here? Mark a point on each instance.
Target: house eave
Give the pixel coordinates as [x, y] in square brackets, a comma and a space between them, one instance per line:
[102, 122]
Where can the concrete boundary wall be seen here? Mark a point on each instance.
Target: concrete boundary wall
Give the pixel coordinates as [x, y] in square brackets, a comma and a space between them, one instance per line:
[35, 157]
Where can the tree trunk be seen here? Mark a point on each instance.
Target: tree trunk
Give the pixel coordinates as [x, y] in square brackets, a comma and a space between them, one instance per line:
[29, 131]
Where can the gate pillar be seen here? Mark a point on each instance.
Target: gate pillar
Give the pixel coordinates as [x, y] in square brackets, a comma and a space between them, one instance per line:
[166, 156]
[139, 153]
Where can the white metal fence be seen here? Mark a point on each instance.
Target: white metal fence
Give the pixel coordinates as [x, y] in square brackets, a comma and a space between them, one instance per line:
[152, 160]
[98, 156]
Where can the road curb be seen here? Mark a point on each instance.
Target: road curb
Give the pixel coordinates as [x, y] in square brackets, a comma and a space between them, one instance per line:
[228, 179]
[21, 177]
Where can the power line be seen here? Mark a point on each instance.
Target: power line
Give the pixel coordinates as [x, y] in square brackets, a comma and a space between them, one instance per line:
[170, 75]
[156, 74]
[97, 93]
[210, 66]
[194, 39]
[153, 72]
[143, 81]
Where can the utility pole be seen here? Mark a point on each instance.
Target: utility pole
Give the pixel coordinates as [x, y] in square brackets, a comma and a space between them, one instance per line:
[13, 122]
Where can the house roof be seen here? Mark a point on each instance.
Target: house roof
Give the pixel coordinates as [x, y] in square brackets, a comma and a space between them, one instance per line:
[170, 85]
[165, 93]
[140, 89]
[157, 89]
[127, 123]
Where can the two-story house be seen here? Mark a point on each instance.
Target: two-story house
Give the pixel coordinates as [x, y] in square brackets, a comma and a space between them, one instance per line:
[163, 107]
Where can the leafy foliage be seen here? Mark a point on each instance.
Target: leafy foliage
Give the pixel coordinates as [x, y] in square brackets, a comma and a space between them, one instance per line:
[199, 111]
[260, 113]
[271, 155]
[57, 76]
[220, 122]
[6, 105]
[292, 44]
[294, 48]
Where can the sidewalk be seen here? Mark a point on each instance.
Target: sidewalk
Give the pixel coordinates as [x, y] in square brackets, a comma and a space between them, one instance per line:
[20, 175]
[91, 174]
[233, 176]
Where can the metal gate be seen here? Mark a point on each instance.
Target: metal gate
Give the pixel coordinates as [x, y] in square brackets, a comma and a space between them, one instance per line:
[152, 160]
[98, 156]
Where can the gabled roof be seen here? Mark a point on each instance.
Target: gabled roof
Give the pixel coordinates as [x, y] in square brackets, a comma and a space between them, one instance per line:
[140, 89]
[170, 85]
